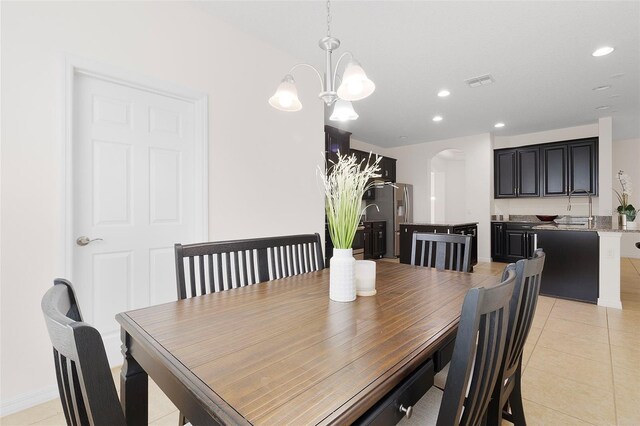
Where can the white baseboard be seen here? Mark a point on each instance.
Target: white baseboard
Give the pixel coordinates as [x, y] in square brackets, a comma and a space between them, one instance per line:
[609, 303]
[28, 400]
[484, 259]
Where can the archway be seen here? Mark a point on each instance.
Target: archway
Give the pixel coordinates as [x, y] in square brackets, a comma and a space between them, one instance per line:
[448, 177]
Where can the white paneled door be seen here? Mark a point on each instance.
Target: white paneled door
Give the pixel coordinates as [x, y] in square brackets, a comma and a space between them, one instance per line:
[134, 196]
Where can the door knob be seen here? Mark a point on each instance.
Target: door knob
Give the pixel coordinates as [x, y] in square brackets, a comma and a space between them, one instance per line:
[83, 241]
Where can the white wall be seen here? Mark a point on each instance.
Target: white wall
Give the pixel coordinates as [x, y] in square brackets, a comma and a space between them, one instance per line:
[626, 156]
[551, 206]
[414, 167]
[262, 164]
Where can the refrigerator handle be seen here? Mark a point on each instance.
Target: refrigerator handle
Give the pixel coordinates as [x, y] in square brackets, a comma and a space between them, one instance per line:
[407, 206]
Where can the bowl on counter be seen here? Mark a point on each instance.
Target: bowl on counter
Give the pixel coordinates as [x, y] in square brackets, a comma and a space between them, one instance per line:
[546, 218]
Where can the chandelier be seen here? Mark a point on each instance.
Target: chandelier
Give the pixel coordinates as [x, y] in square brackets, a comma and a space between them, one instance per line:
[354, 82]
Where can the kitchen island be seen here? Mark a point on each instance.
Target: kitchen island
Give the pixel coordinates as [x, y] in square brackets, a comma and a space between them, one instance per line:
[583, 263]
[407, 230]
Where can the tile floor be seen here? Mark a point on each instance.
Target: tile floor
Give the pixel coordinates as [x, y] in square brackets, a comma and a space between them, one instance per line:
[581, 365]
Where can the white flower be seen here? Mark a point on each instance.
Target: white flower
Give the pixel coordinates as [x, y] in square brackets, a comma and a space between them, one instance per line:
[344, 184]
[625, 182]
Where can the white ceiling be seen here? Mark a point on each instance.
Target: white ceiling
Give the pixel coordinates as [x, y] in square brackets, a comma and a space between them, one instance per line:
[539, 53]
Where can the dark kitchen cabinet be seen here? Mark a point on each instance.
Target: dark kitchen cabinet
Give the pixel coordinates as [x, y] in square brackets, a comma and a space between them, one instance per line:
[511, 242]
[375, 239]
[379, 239]
[387, 164]
[335, 140]
[570, 166]
[362, 158]
[504, 167]
[554, 170]
[572, 264]
[497, 240]
[473, 231]
[583, 165]
[368, 245]
[388, 169]
[549, 170]
[516, 172]
[516, 244]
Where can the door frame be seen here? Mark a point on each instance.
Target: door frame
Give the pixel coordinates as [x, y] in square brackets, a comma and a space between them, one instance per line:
[73, 65]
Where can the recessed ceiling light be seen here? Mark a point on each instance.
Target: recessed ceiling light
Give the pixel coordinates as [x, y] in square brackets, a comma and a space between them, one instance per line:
[602, 51]
[615, 96]
[604, 107]
[620, 74]
[444, 93]
[437, 118]
[601, 88]
[402, 137]
[498, 125]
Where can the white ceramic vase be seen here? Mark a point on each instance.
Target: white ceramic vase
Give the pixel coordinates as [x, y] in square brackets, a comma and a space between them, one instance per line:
[342, 276]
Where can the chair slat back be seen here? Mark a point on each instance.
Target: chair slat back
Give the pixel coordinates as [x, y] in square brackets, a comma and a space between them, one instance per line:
[86, 388]
[477, 355]
[522, 306]
[218, 266]
[439, 248]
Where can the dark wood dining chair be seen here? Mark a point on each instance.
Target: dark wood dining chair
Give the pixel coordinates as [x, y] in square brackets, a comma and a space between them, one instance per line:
[442, 251]
[507, 395]
[203, 268]
[476, 362]
[87, 391]
[217, 266]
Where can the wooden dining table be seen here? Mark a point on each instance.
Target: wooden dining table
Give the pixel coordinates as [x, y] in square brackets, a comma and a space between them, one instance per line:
[281, 352]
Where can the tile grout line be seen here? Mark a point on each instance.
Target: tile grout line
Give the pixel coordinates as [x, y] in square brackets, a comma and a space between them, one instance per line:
[535, 345]
[558, 411]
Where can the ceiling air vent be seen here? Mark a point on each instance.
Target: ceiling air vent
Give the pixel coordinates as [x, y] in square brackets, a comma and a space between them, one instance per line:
[483, 80]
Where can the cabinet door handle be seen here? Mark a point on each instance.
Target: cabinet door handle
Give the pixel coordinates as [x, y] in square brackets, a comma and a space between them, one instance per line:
[407, 411]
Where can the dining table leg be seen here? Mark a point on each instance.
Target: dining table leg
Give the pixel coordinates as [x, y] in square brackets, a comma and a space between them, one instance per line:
[134, 386]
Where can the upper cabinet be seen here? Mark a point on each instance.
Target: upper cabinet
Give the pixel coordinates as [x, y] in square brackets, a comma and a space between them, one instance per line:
[547, 170]
[583, 165]
[516, 172]
[569, 166]
[388, 169]
[387, 164]
[335, 140]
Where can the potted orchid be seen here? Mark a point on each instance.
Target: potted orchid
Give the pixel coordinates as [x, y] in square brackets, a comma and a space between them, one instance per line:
[345, 182]
[626, 210]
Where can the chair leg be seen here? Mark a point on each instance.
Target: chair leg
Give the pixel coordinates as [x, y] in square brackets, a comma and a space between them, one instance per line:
[515, 399]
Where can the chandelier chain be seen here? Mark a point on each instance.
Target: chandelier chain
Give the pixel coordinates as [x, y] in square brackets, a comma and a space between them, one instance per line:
[328, 18]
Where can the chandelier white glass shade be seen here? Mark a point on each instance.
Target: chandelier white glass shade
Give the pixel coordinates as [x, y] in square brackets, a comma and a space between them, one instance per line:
[355, 84]
[343, 111]
[286, 97]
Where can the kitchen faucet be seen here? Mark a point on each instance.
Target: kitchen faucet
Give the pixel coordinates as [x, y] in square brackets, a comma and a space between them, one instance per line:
[590, 219]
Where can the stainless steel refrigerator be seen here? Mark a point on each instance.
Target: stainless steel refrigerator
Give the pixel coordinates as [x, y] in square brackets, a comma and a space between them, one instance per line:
[395, 207]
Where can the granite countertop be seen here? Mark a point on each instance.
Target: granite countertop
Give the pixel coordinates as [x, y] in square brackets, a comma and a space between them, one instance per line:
[602, 224]
[440, 224]
[582, 228]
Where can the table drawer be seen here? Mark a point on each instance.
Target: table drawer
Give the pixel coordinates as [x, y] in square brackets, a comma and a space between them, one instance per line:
[443, 356]
[406, 394]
